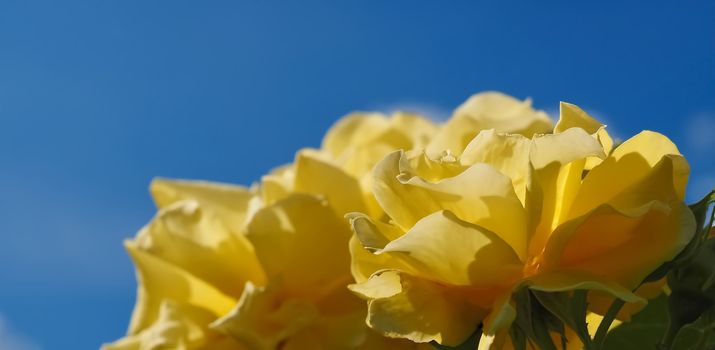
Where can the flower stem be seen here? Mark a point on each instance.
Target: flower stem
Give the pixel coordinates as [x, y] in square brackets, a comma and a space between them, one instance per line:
[600, 338]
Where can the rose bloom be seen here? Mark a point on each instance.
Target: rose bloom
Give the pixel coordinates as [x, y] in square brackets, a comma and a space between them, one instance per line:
[227, 267]
[464, 228]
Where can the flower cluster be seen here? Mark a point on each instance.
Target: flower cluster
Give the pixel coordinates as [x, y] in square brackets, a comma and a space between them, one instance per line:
[402, 233]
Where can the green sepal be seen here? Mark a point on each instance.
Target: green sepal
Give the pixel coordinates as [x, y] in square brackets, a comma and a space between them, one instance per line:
[570, 308]
[535, 321]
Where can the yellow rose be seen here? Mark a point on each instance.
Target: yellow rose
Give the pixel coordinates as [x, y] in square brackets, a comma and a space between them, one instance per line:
[553, 212]
[192, 262]
[217, 270]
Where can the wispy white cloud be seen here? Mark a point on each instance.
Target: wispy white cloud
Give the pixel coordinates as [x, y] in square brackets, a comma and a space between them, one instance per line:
[11, 340]
[700, 132]
[433, 112]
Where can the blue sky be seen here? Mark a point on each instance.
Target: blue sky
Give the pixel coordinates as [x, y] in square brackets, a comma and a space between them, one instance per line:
[98, 97]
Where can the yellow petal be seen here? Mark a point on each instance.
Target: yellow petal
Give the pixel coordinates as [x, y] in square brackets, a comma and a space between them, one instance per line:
[278, 184]
[346, 332]
[196, 239]
[572, 116]
[488, 110]
[443, 248]
[572, 144]
[480, 195]
[317, 176]
[572, 279]
[352, 129]
[262, 320]
[268, 318]
[655, 187]
[341, 324]
[402, 306]
[508, 153]
[179, 326]
[372, 206]
[373, 235]
[159, 280]
[235, 204]
[403, 131]
[418, 163]
[629, 250]
[393, 196]
[549, 198]
[358, 141]
[365, 263]
[419, 129]
[606, 142]
[302, 241]
[558, 161]
[644, 168]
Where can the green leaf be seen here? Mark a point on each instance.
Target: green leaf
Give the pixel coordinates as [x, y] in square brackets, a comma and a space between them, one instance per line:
[692, 278]
[693, 292]
[542, 324]
[645, 329]
[535, 321]
[518, 337]
[578, 308]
